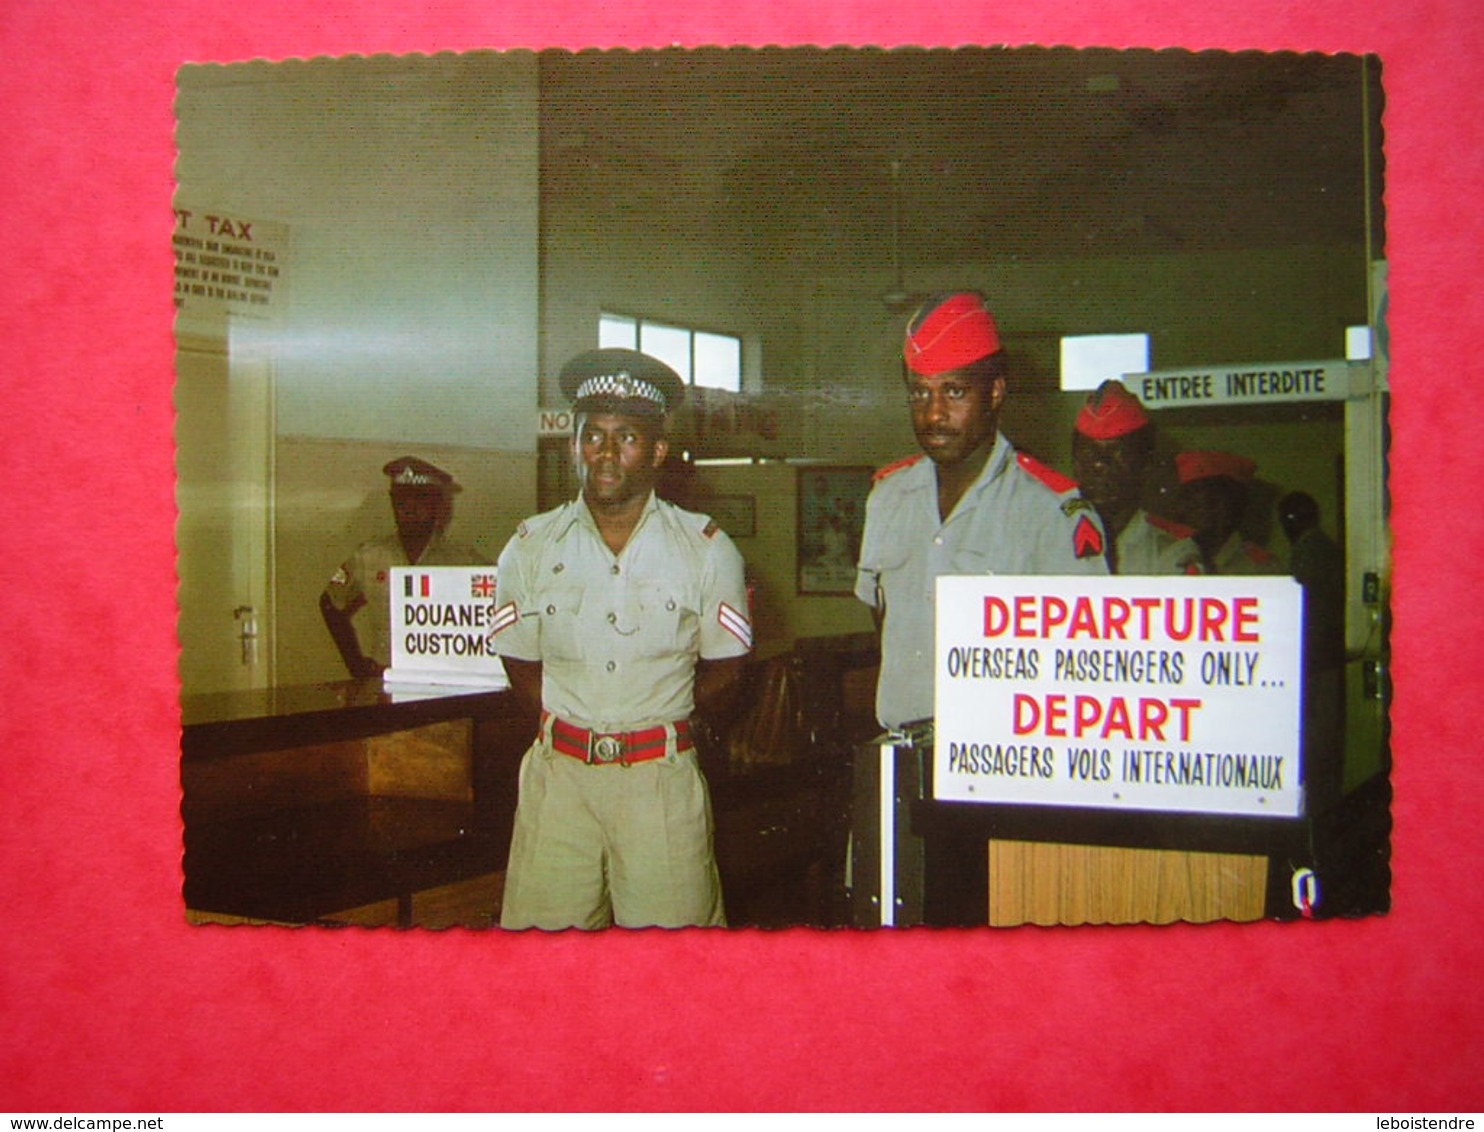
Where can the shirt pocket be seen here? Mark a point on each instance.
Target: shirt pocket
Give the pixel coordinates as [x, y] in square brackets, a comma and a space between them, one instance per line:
[972, 558]
[560, 611]
[668, 619]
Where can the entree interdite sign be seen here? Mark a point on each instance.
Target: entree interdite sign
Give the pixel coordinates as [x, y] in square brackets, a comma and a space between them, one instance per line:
[1178, 694]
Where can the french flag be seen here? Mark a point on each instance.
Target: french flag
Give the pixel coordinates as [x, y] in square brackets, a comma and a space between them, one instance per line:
[419, 586]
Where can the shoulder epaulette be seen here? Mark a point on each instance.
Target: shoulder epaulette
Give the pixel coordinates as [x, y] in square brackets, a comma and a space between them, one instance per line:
[1261, 555]
[544, 522]
[693, 524]
[1170, 527]
[895, 467]
[1053, 479]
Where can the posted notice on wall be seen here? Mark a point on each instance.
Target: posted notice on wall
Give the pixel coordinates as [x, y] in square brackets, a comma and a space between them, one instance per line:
[441, 622]
[228, 266]
[1173, 694]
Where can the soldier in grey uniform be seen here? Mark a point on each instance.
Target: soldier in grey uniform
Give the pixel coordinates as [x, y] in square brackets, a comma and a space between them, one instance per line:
[422, 505]
[974, 506]
[621, 615]
[1112, 451]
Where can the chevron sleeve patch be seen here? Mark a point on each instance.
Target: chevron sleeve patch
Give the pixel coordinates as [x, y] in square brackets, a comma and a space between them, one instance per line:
[735, 623]
[1087, 540]
[504, 617]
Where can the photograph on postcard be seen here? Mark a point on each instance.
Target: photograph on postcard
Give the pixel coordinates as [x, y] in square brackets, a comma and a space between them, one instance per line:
[840, 488]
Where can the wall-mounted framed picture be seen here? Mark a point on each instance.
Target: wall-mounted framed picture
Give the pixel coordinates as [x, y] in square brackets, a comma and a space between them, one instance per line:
[832, 514]
[735, 514]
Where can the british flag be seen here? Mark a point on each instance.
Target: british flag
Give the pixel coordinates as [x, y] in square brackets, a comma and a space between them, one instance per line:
[482, 585]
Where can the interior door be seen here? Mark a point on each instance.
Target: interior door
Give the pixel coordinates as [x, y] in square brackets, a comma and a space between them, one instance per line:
[224, 477]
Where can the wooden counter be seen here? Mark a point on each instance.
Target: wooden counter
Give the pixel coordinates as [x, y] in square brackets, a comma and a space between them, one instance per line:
[341, 802]
[962, 863]
[1060, 865]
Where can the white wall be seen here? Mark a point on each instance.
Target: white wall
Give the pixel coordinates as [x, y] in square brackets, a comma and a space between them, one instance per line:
[409, 187]
[407, 297]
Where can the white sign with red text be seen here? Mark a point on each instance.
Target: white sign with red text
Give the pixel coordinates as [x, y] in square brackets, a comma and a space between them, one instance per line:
[1173, 694]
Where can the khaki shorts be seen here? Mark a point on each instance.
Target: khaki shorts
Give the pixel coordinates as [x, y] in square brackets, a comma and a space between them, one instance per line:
[601, 845]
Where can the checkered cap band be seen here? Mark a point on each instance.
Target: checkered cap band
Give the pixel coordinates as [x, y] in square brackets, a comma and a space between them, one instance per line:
[622, 385]
[410, 471]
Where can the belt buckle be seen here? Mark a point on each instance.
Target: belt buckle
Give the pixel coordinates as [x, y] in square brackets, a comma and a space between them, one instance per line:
[607, 749]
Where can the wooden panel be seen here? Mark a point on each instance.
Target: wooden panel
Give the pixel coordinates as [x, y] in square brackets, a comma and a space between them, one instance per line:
[325, 772]
[425, 762]
[1041, 883]
[381, 914]
[196, 917]
[472, 903]
[428, 762]
[338, 802]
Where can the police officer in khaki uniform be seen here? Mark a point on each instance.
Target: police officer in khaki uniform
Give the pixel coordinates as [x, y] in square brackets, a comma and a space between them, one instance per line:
[974, 506]
[422, 505]
[1213, 498]
[621, 615]
[1112, 450]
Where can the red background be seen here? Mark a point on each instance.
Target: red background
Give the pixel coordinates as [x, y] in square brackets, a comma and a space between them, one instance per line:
[108, 1001]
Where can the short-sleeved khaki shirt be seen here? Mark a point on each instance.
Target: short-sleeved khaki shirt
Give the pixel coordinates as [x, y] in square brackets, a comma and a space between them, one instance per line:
[618, 636]
[361, 584]
[1016, 518]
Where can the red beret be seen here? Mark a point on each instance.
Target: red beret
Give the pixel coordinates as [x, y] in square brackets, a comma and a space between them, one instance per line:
[949, 333]
[1193, 466]
[1110, 412]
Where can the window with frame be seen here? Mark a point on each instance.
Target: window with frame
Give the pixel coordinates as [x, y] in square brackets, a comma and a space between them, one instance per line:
[701, 357]
[1088, 360]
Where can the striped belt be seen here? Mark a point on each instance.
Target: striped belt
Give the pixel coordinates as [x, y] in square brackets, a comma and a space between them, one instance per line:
[597, 748]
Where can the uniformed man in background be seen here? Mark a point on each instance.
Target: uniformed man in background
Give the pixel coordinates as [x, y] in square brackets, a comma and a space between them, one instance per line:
[1112, 453]
[1318, 564]
[973, 506]
[355, 602]
[1213, 496]
[621, 615]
